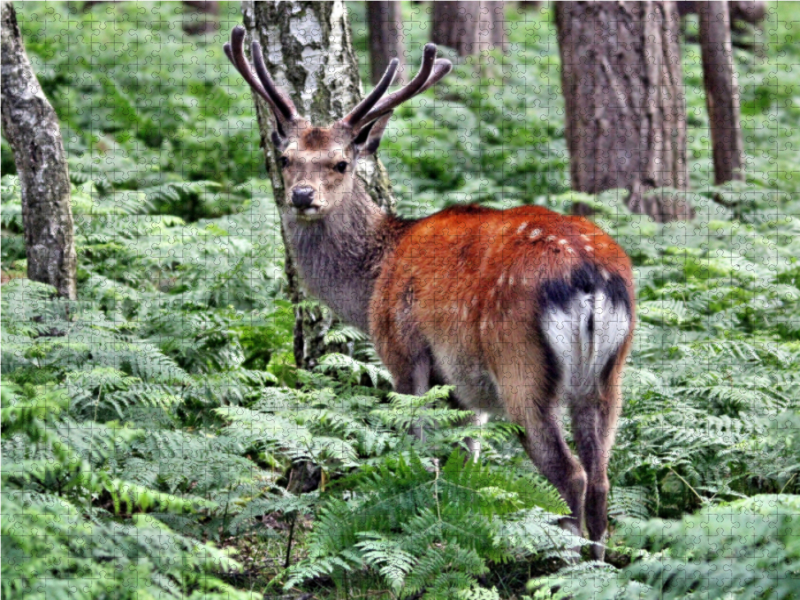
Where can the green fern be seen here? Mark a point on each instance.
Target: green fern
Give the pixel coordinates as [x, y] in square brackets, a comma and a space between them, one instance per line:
[423, 529]
[746, 549]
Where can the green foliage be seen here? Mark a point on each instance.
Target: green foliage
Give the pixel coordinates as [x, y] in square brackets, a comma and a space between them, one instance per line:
[426, 530]
[746, 549]
[142, 106]
[58, 500]
[156, 432]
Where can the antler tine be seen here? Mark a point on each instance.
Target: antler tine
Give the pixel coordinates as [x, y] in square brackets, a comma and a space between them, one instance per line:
[284, 104]
[431, 71]
[441, 67]
[278, 103]
[362, 108]
[234, 50]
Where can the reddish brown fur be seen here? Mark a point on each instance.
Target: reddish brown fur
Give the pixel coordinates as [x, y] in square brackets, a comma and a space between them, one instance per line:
[454, 259]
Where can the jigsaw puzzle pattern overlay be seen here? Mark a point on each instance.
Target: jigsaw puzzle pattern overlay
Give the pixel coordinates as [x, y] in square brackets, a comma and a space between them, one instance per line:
[450, 428]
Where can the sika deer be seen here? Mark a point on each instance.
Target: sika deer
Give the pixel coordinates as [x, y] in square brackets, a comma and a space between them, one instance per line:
[517, 309]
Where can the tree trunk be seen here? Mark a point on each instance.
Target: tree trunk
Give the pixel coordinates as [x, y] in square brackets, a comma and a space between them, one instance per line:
[203, 19]
[748, 11]
[722, 91]
[458, 26]
[386, 39]
[495, 18]
[31, 127]
[623, 89]
[308, 51]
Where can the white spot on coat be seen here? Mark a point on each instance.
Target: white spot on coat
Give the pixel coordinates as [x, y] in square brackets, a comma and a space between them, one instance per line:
[535, 234]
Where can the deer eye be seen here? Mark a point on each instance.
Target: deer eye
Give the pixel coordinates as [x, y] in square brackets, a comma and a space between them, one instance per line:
[341, 167]
[283, 162]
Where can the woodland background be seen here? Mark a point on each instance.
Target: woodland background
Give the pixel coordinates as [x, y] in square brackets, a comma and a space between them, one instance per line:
[158, 439]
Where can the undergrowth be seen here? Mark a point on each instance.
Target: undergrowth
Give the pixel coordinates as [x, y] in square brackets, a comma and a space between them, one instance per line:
[160, 442]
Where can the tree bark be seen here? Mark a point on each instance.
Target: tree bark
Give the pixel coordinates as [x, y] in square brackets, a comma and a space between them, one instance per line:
[495, 17]
[31, 127]
[308, 51]
[752, 12]
[747, 11]
[203, 19]
[386, 39]
[722, 91]
[458, 26]
[623, 89]
[470, 27]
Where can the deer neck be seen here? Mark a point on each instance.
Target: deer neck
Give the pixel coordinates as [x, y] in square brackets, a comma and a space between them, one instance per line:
[339, 257]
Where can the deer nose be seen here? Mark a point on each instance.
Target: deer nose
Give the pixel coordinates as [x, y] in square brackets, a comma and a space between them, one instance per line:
[302, 197]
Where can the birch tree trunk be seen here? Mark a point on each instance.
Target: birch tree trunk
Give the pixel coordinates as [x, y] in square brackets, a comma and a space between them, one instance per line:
[308, 51]
[386, 39]
[722, 91]
[31, 127]
[625, 112]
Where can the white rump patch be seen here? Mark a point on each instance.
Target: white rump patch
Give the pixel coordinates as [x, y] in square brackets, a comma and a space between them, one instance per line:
[582, 354]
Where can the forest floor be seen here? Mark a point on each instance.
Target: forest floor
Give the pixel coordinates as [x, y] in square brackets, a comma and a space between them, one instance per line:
[153, 430]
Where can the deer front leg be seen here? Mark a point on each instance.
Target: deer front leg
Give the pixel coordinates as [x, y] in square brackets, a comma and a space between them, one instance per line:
[479, 419]
[413, 378]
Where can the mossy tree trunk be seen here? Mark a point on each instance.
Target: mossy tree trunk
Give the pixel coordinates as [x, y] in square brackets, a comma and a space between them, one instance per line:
[625, 111]
[308, 50]
[31, 127]
[722, 91]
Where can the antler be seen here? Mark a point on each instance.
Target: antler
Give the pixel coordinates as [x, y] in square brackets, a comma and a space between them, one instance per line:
[282, 107]
[373, 107]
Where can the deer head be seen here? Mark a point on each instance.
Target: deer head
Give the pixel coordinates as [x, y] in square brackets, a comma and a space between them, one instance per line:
[318, 162]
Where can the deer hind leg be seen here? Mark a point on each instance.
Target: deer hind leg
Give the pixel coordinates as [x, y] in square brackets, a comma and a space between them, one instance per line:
[594, 424]
[536, 411]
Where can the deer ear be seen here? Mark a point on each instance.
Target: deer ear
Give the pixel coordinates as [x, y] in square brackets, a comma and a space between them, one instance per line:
[369, 138]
